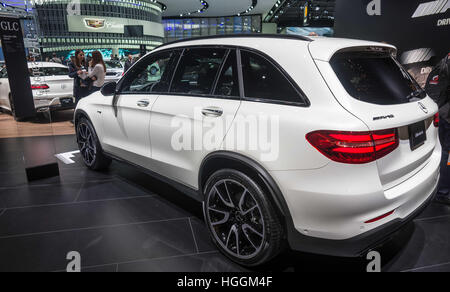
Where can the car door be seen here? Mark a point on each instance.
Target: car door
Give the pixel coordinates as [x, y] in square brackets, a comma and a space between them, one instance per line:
[126, 124]
[192, 119]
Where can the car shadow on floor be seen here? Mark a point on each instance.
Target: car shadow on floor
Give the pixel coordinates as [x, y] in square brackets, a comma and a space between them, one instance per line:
[288, 261]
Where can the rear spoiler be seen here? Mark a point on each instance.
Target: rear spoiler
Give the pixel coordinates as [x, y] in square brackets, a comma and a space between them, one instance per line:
[376, 49]
[325, 49]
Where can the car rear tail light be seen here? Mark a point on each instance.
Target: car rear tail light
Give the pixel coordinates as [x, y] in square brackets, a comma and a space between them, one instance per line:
[39, 86]
[354, 147]
[436, 120]
[380, 217]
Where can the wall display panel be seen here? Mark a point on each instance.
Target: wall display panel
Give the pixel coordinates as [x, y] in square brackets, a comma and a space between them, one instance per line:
[82, 23]
[420, 29]
[181, 28]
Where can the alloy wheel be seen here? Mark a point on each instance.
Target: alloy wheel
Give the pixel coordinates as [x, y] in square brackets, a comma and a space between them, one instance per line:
[236, 219]
[86, 143]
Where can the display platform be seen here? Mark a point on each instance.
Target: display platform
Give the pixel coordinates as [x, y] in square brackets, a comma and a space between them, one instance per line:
[123, 220]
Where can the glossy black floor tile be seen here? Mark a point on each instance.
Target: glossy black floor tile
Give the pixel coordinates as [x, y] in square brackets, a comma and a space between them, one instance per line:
[100, 269]
[39, 195]
[100, 246]
[443, 268]
[82, 174]
[204, 262]
[67, 176]
[13, 179]
[435, 210]
[125, 220]
[429, 245]
[86, 215]
[12, 148]
[66, 143]
[110, 190]
[11, 155]
[201, 233]
[7, 166]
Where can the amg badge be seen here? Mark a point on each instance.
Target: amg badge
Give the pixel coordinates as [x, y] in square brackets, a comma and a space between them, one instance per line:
[383, 117]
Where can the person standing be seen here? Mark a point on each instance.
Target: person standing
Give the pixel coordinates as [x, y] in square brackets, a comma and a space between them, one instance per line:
[97, 71]
[128, 63]
[438, 88]
[55, 59]
[77, 71]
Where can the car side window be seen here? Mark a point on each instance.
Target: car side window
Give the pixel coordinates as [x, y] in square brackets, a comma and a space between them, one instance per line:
[263, 81]
[148, 75]
[198, 70]
[228, 83]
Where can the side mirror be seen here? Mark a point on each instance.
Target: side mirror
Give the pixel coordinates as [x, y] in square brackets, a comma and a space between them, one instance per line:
[109, 89]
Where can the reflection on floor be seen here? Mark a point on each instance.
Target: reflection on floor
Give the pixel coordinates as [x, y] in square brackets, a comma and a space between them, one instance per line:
[123, 220]
[41, 126]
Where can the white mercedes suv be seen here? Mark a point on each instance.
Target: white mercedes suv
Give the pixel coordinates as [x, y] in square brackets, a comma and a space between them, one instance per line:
[325, 144]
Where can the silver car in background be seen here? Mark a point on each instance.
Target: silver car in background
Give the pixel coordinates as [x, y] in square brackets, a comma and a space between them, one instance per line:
[51, 86]
[114, 71]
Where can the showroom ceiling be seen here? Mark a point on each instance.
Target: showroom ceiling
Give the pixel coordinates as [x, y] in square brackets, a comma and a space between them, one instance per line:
[291, 13]
[190, 8]
[176, 8]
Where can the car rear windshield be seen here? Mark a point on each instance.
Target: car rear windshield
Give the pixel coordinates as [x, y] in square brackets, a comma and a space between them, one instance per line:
[48, 71]
[376, 78]
[113, 65]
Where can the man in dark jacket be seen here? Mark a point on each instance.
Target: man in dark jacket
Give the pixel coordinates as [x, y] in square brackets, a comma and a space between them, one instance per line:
[438, 87]
[128, 63]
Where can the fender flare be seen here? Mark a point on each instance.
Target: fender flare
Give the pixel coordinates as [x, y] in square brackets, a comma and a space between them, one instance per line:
[274, 191]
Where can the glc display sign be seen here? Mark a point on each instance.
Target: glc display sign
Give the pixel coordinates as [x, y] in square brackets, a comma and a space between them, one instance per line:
[83, 23]
[11, 38]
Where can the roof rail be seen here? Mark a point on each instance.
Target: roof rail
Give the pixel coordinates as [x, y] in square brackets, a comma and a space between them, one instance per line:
[228, 36]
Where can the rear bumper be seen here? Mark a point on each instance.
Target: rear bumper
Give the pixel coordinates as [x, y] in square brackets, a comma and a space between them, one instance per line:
[329, 207]
[55, 104]
[356, 246]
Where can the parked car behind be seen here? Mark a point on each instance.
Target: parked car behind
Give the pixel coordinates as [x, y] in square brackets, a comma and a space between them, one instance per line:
[52, 88]
[114, 71]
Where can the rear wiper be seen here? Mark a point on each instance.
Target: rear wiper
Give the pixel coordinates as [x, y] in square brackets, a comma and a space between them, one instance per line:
[416, 94]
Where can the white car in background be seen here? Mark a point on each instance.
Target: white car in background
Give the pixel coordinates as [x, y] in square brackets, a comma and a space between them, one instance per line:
[51, 86]
[114, 71]
[358, 151]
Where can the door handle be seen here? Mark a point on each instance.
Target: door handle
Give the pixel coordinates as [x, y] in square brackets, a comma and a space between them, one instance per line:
[143, 103]
[212, 112]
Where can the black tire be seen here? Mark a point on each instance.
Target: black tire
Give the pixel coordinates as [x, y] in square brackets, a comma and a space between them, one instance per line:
[257, 232]
[90, 148]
